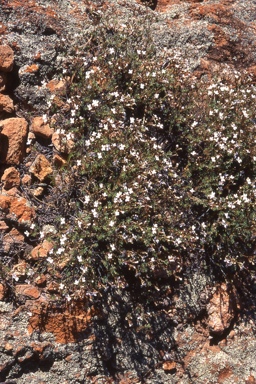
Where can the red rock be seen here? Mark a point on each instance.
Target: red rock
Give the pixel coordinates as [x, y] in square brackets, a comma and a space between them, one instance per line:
[11, 178]
[17, 209]
[3, 226]
[221, 310]
[40, 128]
[13, 140]
[26, 180]
[29, 69]
[41, 251]
[53, 286]
[41, 168]
[65, 325]
[8, 347]
[2, 291]
[59, 161]
[169, 365]
[3, 81]
[38, 191]
[6, 58]
[27, 290]
[56, 86]
[40, 280]
[6, 104]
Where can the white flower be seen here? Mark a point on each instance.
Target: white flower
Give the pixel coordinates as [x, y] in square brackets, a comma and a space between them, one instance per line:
[72, 121]
[156, 95]
[80, 259]
[86, 199]
[130, 71]
[193, 153]
[50, 260]
[26, 233]
[15, 277]
[76, 282]
[142, 86]
[95, 213]
[95, 103]
[99, 155]
[62, 221]
[79, 163]
[109, 255]
[61, 286]
[117, 213]
[112, 223]
[113, 247]
[212, 195]
[111, 50]
[213, 159]
[245, 114]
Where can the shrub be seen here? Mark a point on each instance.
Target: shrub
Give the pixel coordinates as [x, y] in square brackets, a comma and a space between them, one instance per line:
[163, 171]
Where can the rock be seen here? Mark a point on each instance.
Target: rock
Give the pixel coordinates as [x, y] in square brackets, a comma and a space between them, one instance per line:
[53, 286]
[17, 209]
[221, 310]
[3, 226]
[11, 178]
[3, 81]
[6, 58]
[38, 191]
[27, 290]
[8, 347]
[14, 237]
[40, 281]
[41, 129]
[13, 140]
[6, 104]
[64, 324]
[26, 180]
[41, 168]
[169, 365]
[41, 250]
[59, 161]
[56, 86]
[2, 291]
[62, 144]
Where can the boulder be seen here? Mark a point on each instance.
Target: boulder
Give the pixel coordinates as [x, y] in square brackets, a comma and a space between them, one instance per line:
[3, 81]
[41, 129]
[17, 209]
[6, 58]
[13, 140]
[6, 104]
[221, 310]
[11, 178]
[41, 168]
[41, 250]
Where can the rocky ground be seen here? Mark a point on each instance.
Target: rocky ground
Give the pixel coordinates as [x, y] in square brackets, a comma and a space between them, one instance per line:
[204, 332]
